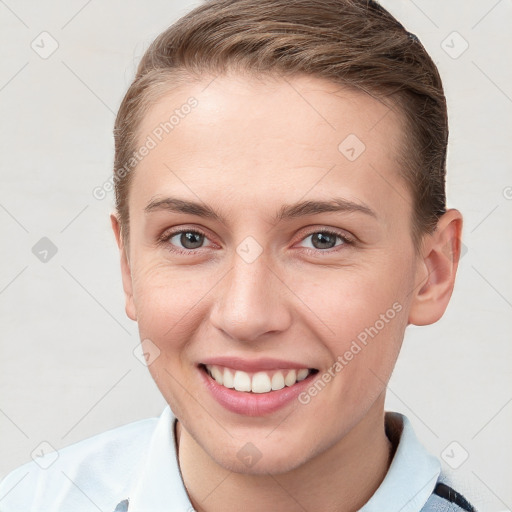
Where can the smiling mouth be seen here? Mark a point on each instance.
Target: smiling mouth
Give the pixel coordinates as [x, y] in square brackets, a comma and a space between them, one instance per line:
[256, 382]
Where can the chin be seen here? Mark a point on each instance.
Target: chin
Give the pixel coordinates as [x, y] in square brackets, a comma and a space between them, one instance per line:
[249, 460]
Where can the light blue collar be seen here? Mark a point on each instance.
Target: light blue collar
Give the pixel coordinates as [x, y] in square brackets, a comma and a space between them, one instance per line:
[408, 484]
[413, 473]
[159, 487]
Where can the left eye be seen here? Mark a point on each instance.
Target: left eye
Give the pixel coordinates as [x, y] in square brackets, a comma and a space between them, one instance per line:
[325, 240]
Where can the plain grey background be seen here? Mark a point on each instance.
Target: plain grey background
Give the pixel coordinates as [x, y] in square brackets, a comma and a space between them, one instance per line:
[68, 370]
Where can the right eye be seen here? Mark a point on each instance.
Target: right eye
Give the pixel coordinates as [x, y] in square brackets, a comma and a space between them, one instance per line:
[184, 241]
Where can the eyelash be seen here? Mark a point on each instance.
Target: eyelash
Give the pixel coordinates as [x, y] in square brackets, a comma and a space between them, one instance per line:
[346, 241]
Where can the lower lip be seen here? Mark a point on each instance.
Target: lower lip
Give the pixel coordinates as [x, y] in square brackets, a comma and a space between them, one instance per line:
[254, 404]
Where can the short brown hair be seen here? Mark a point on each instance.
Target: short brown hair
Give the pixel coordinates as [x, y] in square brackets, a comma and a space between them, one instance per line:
[355, 43]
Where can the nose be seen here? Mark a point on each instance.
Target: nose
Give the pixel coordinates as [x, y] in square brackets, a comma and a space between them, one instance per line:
[251, 301]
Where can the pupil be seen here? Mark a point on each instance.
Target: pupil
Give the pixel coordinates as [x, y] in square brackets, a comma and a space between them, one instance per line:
[323, 241]
[191, 240]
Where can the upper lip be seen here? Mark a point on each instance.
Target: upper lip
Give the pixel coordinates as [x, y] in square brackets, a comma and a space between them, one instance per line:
[254, 365]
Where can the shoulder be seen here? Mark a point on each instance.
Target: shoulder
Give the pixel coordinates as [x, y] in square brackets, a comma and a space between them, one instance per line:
[415, 479]
[94, 470]
[445, 498]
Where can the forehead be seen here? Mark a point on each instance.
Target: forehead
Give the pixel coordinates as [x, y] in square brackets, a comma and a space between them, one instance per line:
[271, 137]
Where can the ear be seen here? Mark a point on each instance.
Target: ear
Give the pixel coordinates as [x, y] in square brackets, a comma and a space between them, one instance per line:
[126, 274]
[437, 266]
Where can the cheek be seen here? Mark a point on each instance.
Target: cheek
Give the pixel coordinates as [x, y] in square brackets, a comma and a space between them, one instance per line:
[168, 302]
[360, 316]
[368, 323]
[347, 301]
[166, 298]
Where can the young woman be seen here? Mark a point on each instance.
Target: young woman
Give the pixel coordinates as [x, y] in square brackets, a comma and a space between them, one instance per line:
[281, 220]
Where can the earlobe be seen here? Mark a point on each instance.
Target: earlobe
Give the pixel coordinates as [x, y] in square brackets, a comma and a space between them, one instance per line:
[436, 272]
[126, 274]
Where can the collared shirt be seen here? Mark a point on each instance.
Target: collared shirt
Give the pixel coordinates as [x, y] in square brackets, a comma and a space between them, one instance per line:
[134, 468]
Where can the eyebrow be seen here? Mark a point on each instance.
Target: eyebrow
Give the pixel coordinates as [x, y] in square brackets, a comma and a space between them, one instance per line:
[286, 212]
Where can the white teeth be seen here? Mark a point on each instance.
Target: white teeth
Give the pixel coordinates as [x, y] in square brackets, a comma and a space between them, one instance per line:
[242, 381]
[277, 381]
[260, 382]
[217, 374]
[302, 374]
[291, 378]
[227, 379]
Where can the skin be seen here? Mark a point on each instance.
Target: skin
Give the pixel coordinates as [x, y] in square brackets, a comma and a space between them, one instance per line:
[247, 149]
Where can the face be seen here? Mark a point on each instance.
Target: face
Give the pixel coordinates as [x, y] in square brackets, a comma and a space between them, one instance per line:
[270, 250]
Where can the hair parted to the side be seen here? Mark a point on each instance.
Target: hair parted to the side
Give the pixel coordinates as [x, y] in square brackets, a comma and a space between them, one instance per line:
[353, 43]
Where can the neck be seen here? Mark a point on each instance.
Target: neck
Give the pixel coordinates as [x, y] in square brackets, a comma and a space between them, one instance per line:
[342, 478]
